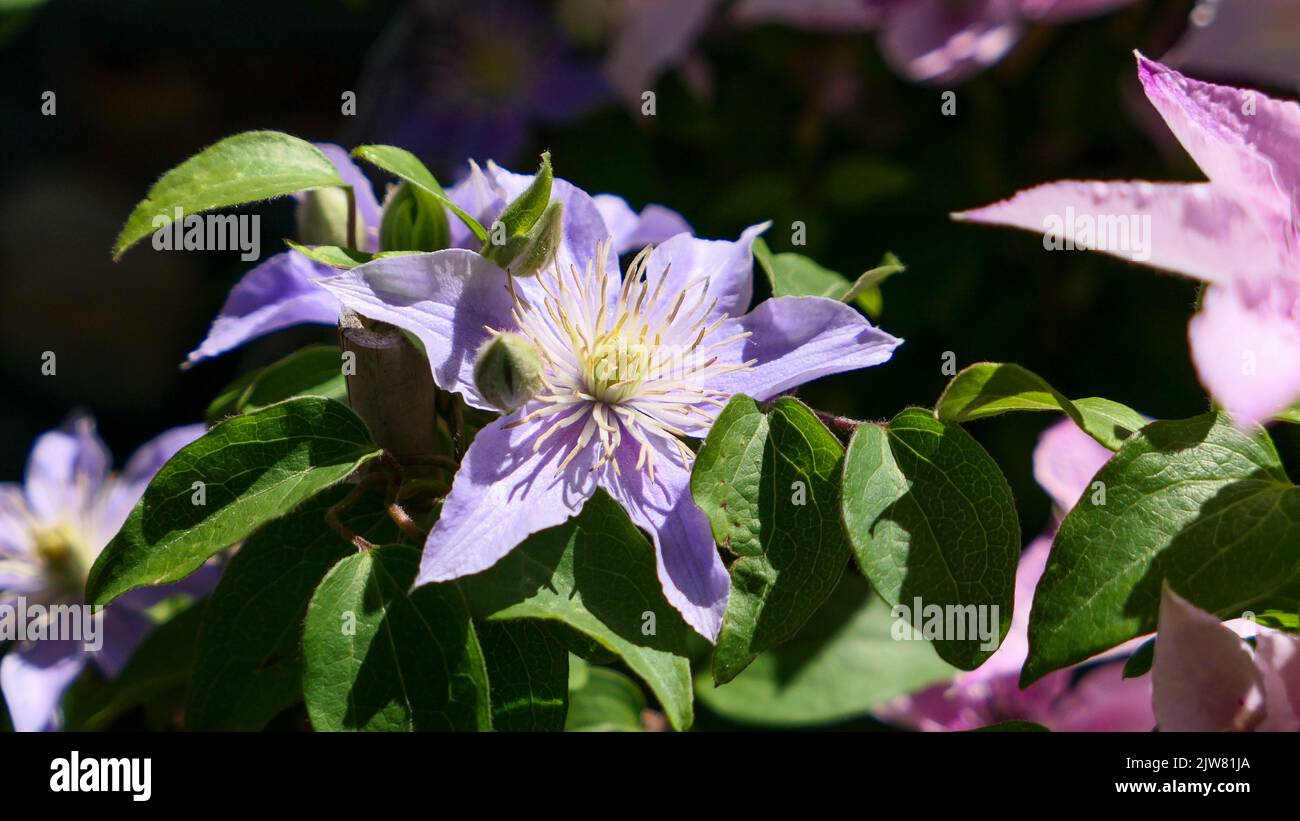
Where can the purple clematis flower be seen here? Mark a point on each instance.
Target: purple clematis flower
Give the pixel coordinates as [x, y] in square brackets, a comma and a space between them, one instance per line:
[1239, 232]
[1207, 679]
[450, 80]
[1091, 697]
[632, 365]
[52, 527]
[279, 293]
[931, 41]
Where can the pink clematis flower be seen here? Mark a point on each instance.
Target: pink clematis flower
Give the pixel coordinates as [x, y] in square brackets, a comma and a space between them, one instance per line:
[1095, 698]
[930, 41]
[1206, 678]
[1239, 232]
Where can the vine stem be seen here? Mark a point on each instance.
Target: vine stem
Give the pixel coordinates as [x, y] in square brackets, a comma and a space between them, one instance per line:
[842, 426]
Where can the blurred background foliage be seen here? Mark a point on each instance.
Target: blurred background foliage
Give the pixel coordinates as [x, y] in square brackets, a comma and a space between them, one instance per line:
[764, 123]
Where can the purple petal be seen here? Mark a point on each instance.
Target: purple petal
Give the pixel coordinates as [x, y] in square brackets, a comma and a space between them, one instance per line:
[445, 298]
[1240, 138]
[503, 493]
[797, 339]
[276, 294]
[1277, 655]
[33, 678]
[632, 231]
[726, 267]
[1204, 678]
[1194, 229]
[692, 574]
[833, 16]
[367, 205]
[1247, 39]
[652, 35]
[135, 477]
[66, 470]
[1065, 461]
[123, 629]
[1065, 11]
[934, 41]
[1246, 347]
[477, 196]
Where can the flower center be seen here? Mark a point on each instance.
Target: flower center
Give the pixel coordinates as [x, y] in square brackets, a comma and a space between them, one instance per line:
[62, 557]
[623, 359]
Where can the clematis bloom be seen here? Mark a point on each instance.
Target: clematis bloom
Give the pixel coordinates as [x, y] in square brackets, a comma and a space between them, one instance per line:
[1084, 698]
[633, 365]
[52, 527]
[1239, 232]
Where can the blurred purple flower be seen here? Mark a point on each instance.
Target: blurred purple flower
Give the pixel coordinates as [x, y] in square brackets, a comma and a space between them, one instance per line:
[931, 41]
[52, 527]
[1239, 232]
[1253, 40]
[1089, 697]
[450, 80]
[632, 365]
[1206, 679]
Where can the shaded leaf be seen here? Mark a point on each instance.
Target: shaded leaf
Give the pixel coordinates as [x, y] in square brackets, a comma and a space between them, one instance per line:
[769, 484]
[316, 370]
[249, 469]
[529, 675]
[378, 659]
[930, 517]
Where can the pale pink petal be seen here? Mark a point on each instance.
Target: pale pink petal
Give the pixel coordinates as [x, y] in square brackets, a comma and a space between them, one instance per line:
[1204, 677]
[1194, 229]
[1277, 655]
[1246, 347]
[1065, 461]
[1241, 139]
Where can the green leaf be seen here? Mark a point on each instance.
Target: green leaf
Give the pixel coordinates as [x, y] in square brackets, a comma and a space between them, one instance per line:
[525, 210]
[1194, 503]
[930, 516]
[529, 673]
[769, 485]
[596, 574]
[248, 167]
[1140, 662]
[604, 701]
[842, 664]
[866, 290]
[376, 658]
[406, 166]
[316, 370]
[796, 275]
[792, 274]
[162, 662]
[992, 388]
[248, 665]
[250, 469]
[342, 258]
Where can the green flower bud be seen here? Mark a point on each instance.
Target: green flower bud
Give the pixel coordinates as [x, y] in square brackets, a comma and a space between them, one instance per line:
[412, 221]
[323, 218]
[526, 255]
[508, 371]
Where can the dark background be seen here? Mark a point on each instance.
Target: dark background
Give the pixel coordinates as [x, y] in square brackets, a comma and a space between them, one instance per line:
[795, 126]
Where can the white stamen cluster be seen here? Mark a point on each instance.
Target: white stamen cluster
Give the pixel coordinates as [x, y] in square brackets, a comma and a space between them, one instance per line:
[639, 366]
